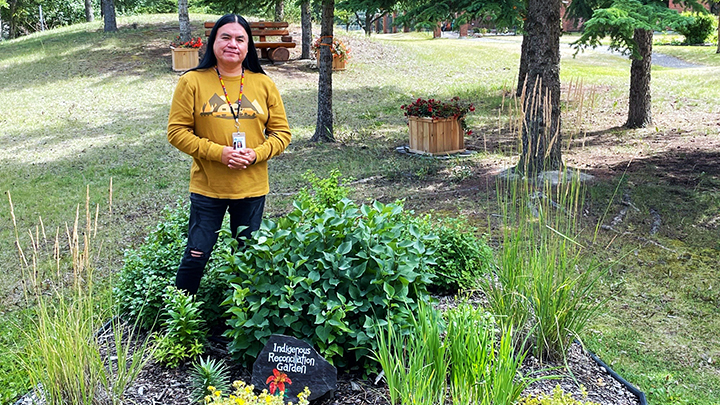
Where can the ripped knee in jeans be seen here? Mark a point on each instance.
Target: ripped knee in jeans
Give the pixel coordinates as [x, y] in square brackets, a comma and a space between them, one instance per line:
[197, 254]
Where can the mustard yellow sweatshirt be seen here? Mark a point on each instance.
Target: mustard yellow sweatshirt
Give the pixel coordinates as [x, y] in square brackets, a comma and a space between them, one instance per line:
[201, 124]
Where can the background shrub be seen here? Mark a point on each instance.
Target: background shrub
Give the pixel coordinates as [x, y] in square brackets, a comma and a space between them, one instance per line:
[152, 267]
[695, 27]
[327, 278]
[460, 257]
[323, 193]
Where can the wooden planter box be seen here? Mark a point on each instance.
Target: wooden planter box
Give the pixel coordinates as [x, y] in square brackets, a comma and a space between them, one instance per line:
[435, 137]
[184, 58]
[337, 63]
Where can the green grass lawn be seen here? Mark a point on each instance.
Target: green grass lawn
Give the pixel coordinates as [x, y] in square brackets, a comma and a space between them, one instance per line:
[81, 107]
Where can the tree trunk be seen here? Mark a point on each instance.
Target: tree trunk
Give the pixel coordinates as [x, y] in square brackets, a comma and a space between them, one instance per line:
[279, 10]
[639, 111]
[324, 129]
[306, 22]
[541, 128]
[108, 9]
[184, 19]
[13, 20]
[89, 15]
[522, 74]
[368, 23]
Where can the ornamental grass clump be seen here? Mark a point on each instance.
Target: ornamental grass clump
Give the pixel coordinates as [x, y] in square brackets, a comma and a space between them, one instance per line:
[414, 361]
[438, 109]
[461, 357]
[63, 356]
[542, 287]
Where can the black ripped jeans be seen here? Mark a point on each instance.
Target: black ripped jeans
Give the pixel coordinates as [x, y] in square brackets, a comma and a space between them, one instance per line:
[206, 216]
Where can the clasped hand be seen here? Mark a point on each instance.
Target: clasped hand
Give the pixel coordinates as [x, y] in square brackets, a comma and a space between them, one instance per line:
[238, 159]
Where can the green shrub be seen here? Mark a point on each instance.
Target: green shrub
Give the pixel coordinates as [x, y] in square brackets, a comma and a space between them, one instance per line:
[208, 373]
[695, 27]
[461, 259]
[184, 336]
[323, 193]
[326, 278]
[152, 267]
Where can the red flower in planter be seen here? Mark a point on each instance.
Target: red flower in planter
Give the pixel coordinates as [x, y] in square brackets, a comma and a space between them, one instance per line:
[192, 43]
[277, 382]
[437, 109]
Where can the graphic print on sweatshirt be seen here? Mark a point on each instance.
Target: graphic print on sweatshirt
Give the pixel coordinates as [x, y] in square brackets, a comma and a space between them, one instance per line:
[219, 108]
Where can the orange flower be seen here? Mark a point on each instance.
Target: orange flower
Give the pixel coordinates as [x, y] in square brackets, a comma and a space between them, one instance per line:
[277, 381]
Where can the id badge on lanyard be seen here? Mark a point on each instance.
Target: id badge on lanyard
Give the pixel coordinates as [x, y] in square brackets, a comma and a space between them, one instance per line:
[239, 140]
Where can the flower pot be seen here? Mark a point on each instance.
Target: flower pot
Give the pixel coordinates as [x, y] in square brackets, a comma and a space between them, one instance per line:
[435, 136]
[184, 58]
[337, 64]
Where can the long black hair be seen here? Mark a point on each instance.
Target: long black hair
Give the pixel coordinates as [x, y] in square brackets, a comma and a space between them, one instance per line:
[209, 60]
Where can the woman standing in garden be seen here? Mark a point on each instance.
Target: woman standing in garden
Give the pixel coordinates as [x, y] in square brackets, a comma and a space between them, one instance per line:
[228, 115]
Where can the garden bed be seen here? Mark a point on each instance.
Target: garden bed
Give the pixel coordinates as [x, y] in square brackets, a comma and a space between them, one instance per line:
[157, 384]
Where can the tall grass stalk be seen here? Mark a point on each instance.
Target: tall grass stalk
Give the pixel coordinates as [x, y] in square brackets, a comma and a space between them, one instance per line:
[63, 357]
[415, 365]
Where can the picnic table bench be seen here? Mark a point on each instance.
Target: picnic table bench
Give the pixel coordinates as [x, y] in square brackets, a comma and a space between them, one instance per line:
[275, 51]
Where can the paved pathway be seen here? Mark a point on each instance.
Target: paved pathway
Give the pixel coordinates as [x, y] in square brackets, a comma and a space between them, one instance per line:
[658, 59]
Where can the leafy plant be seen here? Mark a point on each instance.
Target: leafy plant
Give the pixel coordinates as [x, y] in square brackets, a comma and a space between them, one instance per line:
[208, 373]
[244, 395]
[461, 259]
[326, 278]
[323, 193]
[184, 336]
[151, 268]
